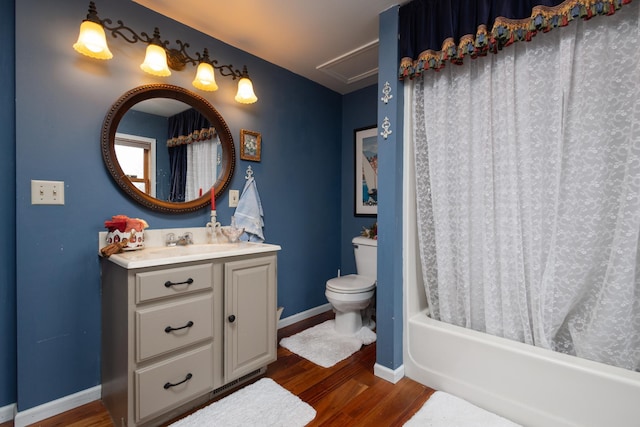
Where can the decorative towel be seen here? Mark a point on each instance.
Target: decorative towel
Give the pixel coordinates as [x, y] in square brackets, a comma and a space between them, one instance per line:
[249, 213]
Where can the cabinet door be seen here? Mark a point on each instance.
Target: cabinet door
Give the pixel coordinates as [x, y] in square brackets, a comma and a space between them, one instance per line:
[250, 315]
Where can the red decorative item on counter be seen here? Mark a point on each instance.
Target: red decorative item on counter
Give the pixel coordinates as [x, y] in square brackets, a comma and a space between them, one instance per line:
[122, 227]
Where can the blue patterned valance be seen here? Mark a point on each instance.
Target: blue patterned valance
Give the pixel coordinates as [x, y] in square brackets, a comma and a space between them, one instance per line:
[433, 32]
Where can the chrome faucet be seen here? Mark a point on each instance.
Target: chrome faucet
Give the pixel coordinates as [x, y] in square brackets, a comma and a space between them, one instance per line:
[185, 239]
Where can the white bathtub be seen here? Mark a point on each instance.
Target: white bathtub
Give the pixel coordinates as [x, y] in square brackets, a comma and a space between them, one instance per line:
[529, 385]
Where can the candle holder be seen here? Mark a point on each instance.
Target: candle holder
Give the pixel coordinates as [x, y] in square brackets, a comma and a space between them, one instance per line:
[213, 228]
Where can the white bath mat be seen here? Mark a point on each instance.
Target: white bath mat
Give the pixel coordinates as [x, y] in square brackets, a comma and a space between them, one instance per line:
[445, 410]
[263, 403]
[322, 345]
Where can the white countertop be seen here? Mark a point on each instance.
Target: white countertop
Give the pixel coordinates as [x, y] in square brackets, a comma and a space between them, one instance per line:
[154, 254]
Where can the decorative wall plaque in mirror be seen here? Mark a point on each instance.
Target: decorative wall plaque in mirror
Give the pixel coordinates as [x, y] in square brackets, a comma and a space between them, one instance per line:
[167, 147]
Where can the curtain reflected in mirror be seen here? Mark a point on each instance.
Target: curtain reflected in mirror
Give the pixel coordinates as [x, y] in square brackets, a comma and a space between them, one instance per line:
[193, 147]
[168, 150]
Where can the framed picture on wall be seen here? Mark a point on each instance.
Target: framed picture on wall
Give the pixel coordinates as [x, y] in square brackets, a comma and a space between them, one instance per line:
[366, 171]
[250, 145]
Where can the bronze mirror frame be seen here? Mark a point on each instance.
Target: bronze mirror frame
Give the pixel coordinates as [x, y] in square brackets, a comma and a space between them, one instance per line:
[145, 92]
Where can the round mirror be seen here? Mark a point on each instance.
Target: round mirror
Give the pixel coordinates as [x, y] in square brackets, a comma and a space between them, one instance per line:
[167, 147]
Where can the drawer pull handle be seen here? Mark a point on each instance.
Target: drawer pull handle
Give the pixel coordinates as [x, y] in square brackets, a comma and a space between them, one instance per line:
[232, 318]
[169, 283]
[167, 386]
[188, 325]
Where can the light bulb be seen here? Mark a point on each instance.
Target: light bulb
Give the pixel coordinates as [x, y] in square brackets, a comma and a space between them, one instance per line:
[205, 78]
[245, 93]
[92, 41]
[155, 61]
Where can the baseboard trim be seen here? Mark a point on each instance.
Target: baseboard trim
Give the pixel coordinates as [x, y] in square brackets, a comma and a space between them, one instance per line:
[7, 412]
[303, 315]
[58, 406]
[388, 374]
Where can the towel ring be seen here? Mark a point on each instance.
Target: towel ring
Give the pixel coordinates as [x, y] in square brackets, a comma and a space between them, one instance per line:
[249, 173]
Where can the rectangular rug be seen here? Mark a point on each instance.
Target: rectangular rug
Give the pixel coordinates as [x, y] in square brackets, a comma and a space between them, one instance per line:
[263, 403]
[445, 410]
[322, 345]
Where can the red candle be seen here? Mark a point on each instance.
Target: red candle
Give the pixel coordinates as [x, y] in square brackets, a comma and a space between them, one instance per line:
[213, 199]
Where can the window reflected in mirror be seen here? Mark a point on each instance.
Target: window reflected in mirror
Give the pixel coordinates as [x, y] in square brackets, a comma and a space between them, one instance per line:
[137, 158]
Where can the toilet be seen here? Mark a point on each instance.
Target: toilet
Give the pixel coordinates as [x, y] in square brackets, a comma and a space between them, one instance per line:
[352, 294]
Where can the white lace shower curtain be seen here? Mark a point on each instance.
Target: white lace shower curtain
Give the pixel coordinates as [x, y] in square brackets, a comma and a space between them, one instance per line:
[202, 173]
[528, 190]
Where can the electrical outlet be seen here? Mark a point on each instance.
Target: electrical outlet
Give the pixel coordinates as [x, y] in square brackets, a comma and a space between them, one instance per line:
[234, 196]
[47, 192]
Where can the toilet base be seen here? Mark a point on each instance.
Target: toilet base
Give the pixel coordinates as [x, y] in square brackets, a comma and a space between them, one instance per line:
[348, 323]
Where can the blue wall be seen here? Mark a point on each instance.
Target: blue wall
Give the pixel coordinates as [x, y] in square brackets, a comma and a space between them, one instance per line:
[389, 290]
[8, 203]
[62, 99]
[358, 111]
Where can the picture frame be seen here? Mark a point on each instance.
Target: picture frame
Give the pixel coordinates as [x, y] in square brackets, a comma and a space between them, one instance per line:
[366, 171]
[250, 145]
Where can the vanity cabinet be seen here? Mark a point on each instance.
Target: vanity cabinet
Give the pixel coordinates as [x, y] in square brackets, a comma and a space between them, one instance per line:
[173, 335]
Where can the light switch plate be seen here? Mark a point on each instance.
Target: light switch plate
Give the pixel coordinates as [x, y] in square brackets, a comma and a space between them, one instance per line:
[234, 196]
[47, 192]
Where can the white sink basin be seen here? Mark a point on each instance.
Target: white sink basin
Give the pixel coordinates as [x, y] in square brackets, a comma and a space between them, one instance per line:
[190, 249]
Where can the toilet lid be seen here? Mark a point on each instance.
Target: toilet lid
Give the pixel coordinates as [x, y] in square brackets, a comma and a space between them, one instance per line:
[351, 284]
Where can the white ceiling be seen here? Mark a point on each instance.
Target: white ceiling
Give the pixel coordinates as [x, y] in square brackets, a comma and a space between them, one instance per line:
[332, 42]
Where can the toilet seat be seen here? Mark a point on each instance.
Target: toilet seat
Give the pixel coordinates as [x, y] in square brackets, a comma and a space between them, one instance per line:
[351, 284]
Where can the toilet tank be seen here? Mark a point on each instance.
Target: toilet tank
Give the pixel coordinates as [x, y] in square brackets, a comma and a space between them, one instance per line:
[366, 253]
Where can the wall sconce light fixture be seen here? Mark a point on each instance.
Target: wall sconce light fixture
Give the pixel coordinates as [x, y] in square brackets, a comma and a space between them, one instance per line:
[160, 59]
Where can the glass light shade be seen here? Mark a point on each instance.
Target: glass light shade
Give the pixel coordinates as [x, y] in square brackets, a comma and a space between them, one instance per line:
[92, 41]
[245, 93]
[205, 78]
[155, 61]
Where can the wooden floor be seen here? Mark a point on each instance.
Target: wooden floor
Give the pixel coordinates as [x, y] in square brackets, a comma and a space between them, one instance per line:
[347, 394]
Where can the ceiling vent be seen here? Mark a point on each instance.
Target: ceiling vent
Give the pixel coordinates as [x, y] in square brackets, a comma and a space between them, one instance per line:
[353, 66]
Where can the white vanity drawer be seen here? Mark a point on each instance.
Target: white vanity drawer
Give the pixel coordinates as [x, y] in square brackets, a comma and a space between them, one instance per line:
[172, 382]
[173, 325]
[172, 281]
